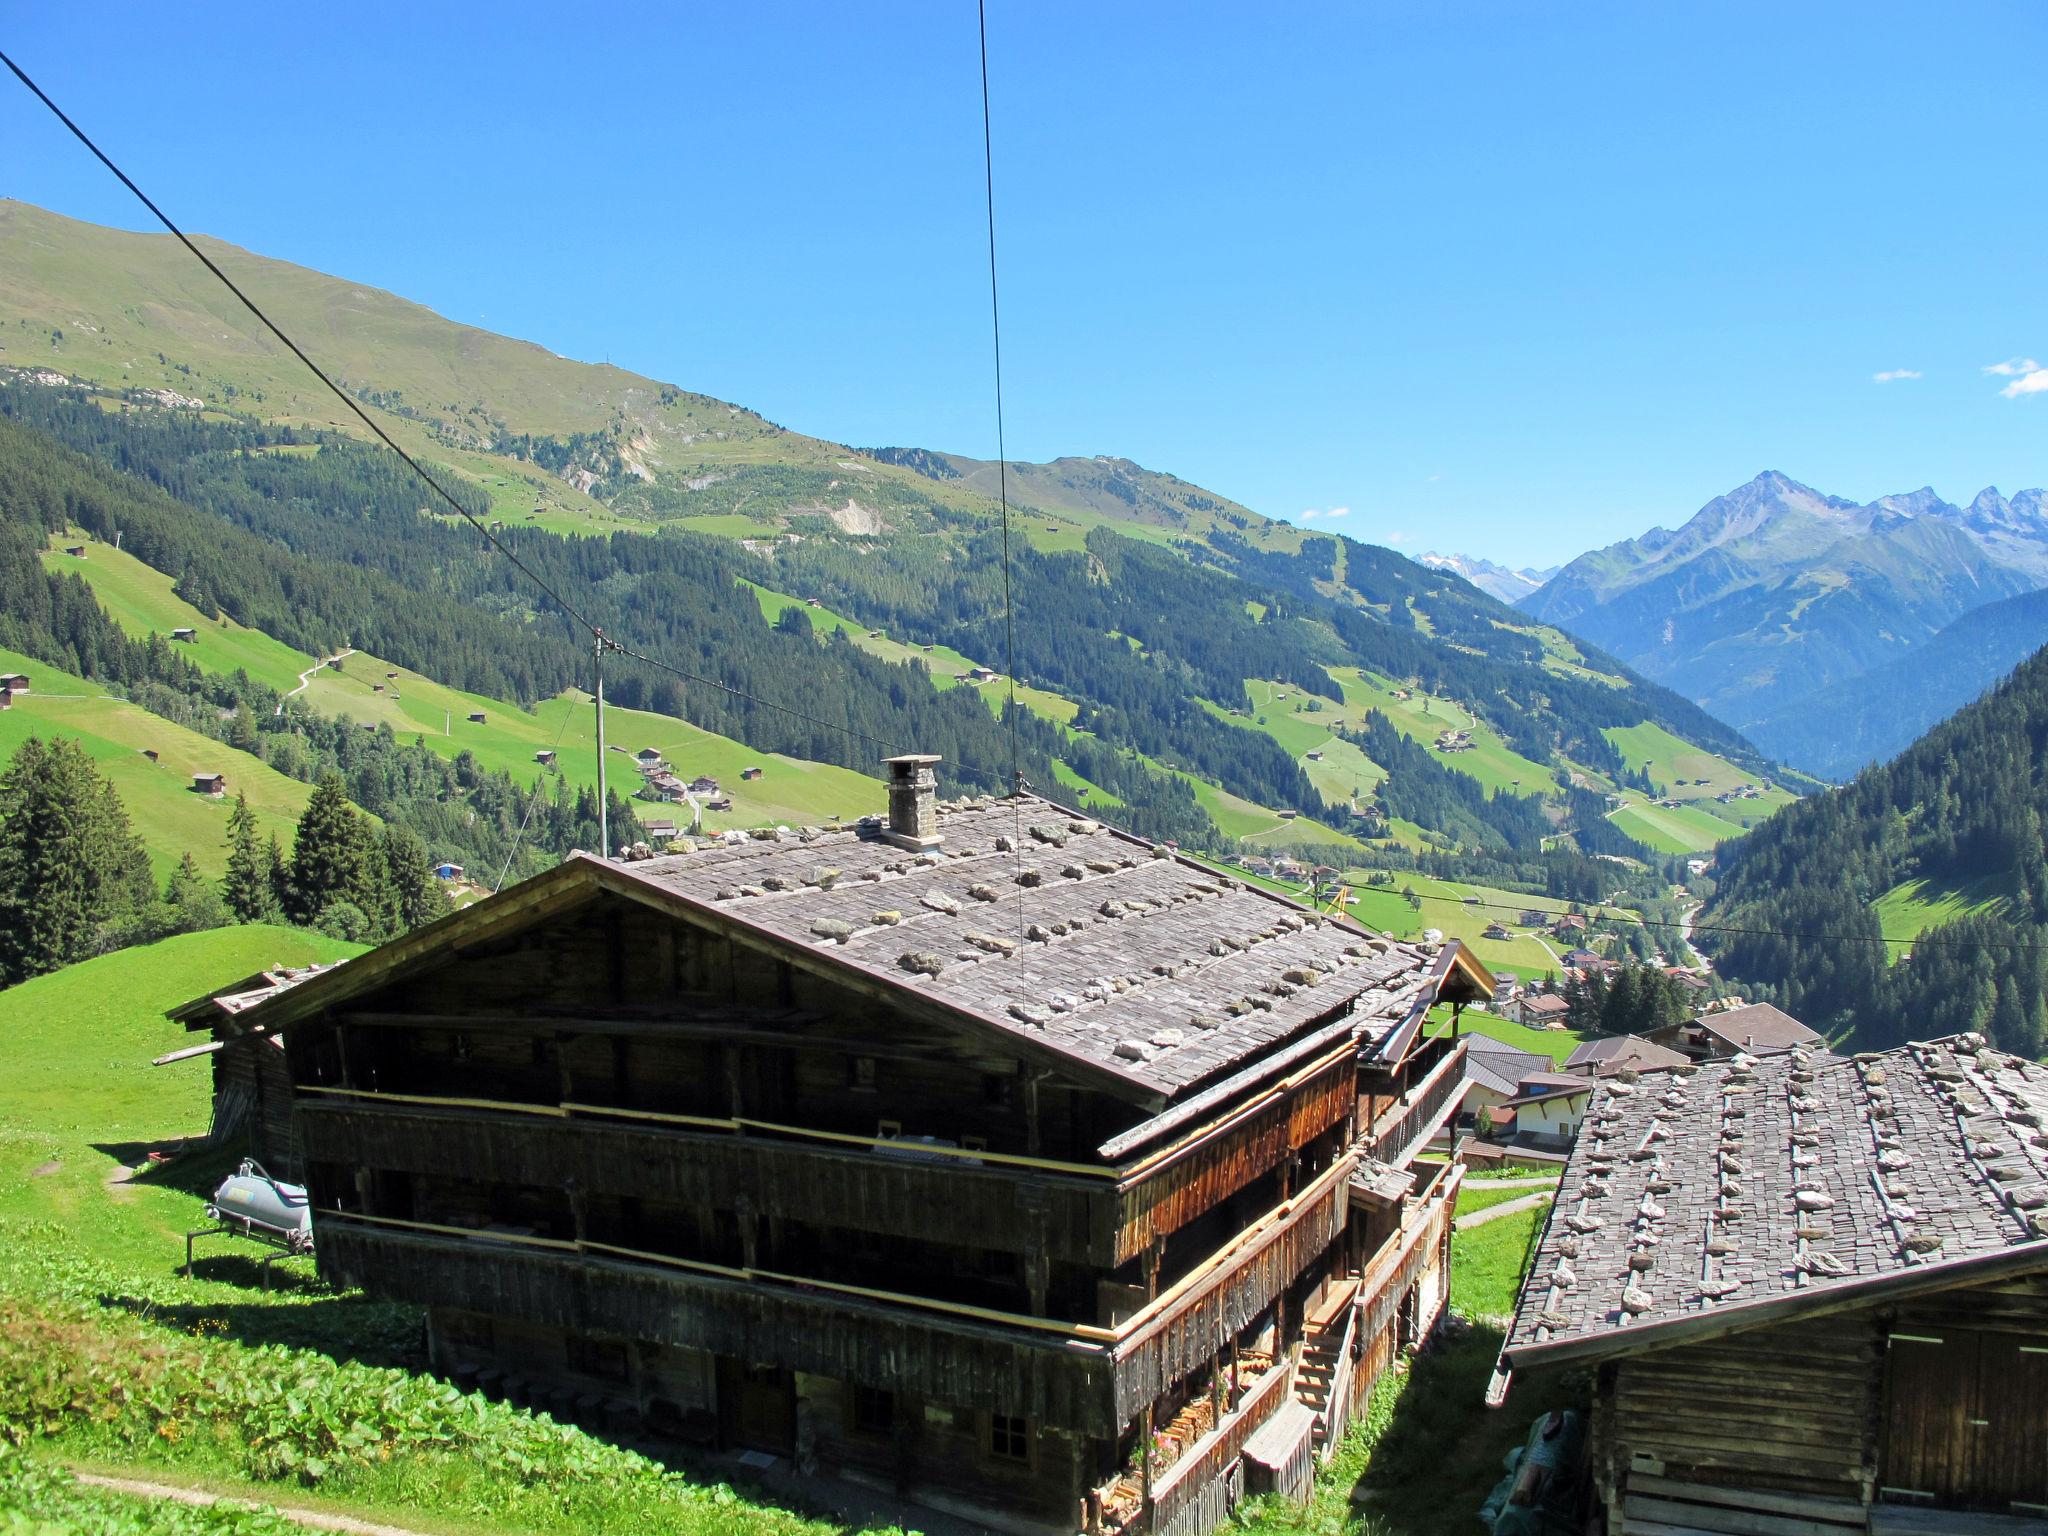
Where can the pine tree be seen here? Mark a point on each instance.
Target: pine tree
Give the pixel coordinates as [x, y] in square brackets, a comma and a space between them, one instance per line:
[413, 898]
[70, 864]
[334, 856]
[190, 901]
[246, 888]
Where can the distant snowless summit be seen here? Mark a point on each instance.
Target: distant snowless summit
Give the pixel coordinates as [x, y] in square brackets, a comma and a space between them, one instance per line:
[1785, 611]
[1494, 580]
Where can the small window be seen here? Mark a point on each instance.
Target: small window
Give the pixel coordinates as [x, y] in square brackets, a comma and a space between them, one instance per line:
[874, 1411]
[1009, 1437]
[974, 1143]
[889, 1130]
[861, 1078]
[995, 1091]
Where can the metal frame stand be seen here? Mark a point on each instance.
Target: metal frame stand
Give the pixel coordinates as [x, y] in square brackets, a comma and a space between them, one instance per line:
[268, 1259]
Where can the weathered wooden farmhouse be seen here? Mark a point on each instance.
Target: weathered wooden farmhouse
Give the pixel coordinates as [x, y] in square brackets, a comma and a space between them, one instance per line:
[984, 1154]
[1814, 1291]
[252, 1091]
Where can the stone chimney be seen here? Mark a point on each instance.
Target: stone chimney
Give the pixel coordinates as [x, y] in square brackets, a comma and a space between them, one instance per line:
[913, 800]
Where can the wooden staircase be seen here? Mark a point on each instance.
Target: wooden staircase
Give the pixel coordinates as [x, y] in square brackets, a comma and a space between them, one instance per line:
[1322, 1377]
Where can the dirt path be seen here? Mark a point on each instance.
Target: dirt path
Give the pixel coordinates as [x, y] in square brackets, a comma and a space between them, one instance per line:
[1495, 1212]
[306, 677]
[312, 1519]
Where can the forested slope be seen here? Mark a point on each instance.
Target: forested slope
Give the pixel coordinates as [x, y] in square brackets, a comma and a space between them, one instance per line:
[1961, 810]
[319, 540]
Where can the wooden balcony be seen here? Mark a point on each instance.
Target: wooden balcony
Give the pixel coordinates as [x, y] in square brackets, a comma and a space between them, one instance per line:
[1409, 1102]
[875, 1186]
[1050, 1372]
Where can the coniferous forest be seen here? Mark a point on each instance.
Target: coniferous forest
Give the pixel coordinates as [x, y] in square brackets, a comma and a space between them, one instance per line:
[1961, 810]
[333, 547]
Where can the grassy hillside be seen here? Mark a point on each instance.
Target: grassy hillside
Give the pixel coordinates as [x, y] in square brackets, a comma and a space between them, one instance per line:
[372, 691]
[80, 1040]
[171, 819]
[1911, 908]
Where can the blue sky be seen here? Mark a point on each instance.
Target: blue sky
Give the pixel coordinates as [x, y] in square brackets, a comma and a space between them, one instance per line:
[1506, 279]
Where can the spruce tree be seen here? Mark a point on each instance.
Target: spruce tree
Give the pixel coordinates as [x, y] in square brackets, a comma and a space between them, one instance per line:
[246, 888]
[70, 864]
[413, 897]
[334, 855]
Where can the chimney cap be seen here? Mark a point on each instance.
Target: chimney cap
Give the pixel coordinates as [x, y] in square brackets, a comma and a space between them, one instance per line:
[914, 759]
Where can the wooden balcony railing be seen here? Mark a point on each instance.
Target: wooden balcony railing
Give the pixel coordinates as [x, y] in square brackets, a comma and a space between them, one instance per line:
[1400, 1128]
[1051, 1372]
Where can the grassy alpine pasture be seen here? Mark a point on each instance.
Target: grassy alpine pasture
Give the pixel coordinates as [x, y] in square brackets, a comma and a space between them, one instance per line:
[1423, 718]
[139, 599]
[165, 812]
[1527, 953]
[1339, 771]
[943, 662]
[304, 1396]
[373, 691]
[1906, 911]
[1685, 829]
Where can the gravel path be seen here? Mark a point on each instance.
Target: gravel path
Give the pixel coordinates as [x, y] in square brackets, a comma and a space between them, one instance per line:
[306, 677]
[1495, 1212]
[312, 1519]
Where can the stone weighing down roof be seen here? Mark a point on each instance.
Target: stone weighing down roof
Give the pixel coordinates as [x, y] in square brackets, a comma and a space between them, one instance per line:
[1768, 1186]
[1047, 925]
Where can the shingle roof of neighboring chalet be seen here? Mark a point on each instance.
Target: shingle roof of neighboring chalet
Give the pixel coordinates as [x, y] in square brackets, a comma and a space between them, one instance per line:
[1499, 1066]
[1612, 1053]
[1736, 1193]
[1758, 1027]
[203, 1012]
[1047, 927]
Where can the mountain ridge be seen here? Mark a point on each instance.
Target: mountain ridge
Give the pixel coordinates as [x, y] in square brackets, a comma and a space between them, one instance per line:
[1775, 591]
[1150, 609]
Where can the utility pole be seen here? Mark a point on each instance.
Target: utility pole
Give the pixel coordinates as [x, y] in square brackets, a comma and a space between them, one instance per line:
[604, 831]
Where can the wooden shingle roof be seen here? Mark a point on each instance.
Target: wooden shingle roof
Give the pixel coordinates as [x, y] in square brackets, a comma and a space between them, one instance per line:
[1028, 920]
[1044, 923]
[1705, 1199]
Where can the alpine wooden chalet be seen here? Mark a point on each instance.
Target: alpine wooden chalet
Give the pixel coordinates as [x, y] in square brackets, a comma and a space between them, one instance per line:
[982, 1154]
[1814, 1291]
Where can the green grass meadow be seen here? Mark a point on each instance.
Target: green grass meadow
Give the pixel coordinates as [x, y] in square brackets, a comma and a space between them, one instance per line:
[167, 815]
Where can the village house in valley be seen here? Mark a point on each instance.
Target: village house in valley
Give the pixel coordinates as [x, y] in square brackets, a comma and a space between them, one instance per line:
[983, 1154]
[1813, 1291]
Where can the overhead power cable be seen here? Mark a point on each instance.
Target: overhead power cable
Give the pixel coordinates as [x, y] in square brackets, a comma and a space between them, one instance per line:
[1002, 481]
[295, 349]
[995, 315]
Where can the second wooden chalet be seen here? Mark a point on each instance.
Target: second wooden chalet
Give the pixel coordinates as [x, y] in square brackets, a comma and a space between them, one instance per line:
[1813, 1291]
[985, 1154]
